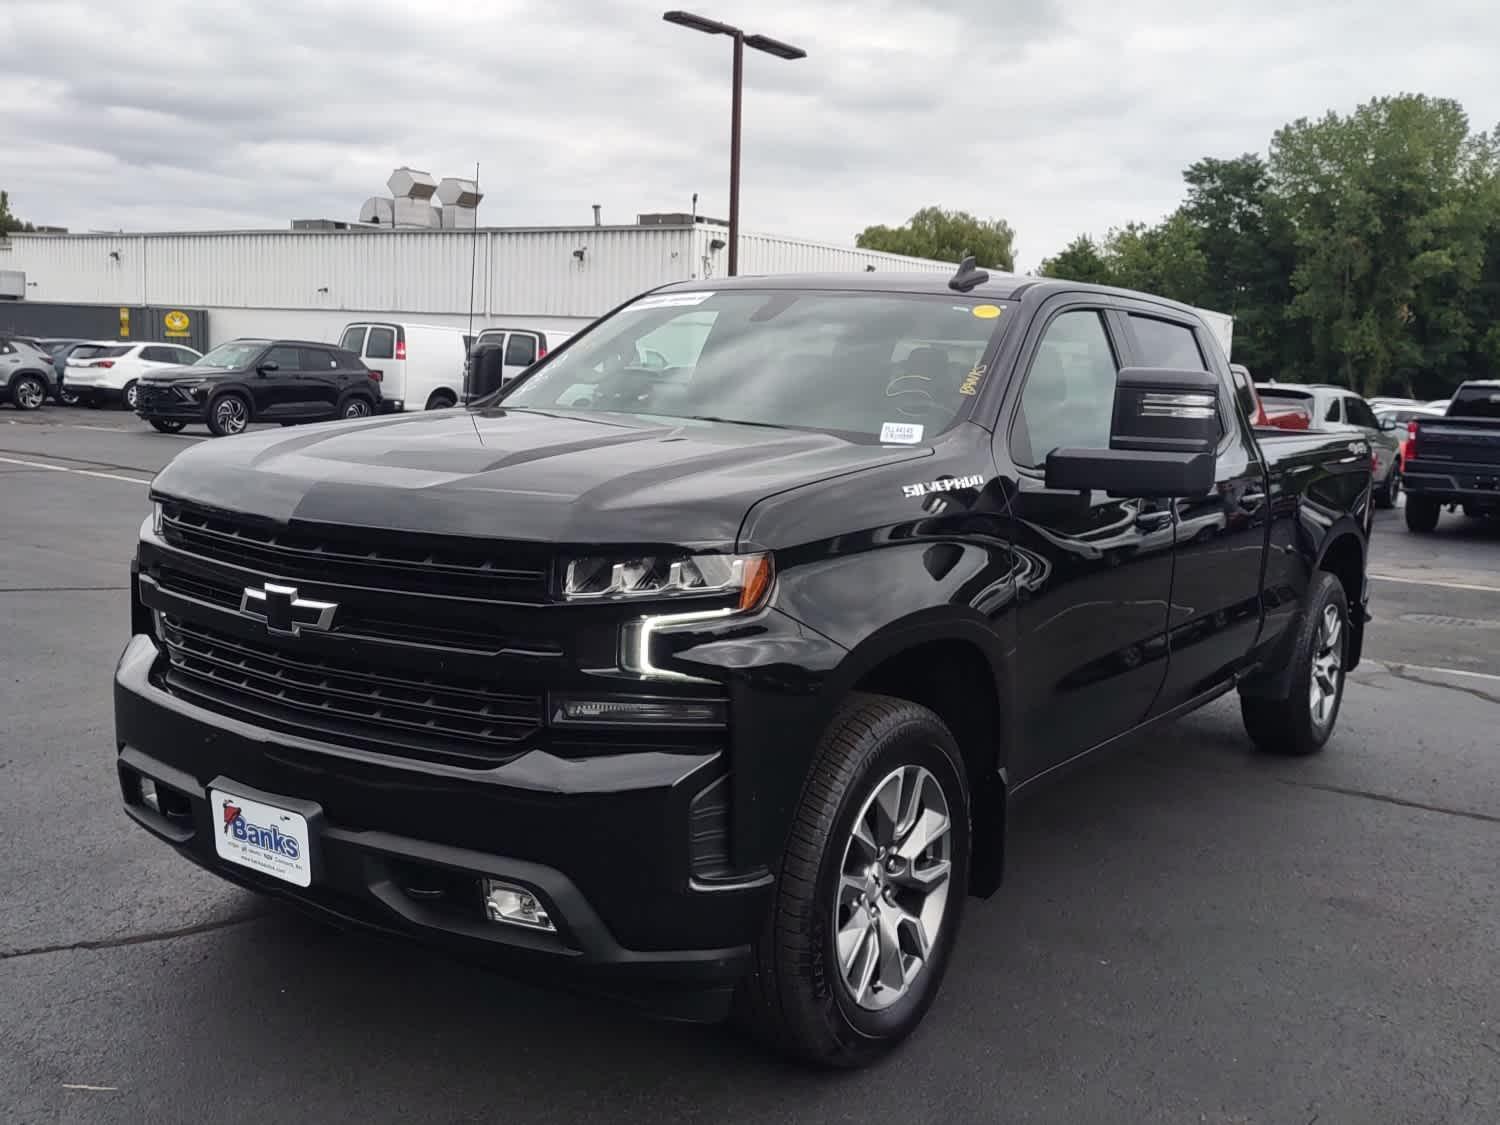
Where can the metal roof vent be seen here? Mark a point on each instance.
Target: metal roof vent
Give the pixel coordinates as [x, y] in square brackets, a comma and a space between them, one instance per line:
[378, 209]
[460, 199]
[408, 183]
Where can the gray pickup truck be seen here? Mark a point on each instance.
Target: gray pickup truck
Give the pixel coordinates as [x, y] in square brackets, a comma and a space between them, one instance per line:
[1454, 461]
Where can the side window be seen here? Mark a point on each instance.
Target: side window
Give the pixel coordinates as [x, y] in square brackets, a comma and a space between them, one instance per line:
[287, 359]
[6, 348]
[1161, 343]
[382, 344]
[316, 359]
[520, 350]
[158, 355]
[1358, 411]
[1069, 398]
[1332, 413]
[354, 339]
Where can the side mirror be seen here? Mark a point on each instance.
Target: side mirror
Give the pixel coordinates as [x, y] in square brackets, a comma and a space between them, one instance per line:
[1165, 428]
[268, 368]
[1388, 424]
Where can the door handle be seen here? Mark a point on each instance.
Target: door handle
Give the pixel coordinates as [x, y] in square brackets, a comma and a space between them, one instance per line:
[1152, 521]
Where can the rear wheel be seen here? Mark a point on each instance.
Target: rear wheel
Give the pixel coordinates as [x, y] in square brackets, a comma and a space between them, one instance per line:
[440, 400]
[162, 425]
[871, 888]
[27, 392]
[228, 414]
[1301, 723]
[356, 408]
[129, 397]
[1421, 514]
[67, 397]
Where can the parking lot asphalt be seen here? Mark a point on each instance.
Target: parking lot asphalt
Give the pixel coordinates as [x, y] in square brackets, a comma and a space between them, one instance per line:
[1187, 933]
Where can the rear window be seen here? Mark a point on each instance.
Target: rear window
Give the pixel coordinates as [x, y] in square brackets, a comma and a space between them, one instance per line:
[1475, 402]
[1164, 344]
[382, 344]
[354, 339]
[92, 351]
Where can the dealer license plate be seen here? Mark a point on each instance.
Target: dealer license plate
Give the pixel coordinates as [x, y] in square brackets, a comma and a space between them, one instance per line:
[262, 837]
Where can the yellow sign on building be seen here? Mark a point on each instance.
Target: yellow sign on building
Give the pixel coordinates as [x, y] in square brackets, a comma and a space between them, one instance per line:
[124, 323]
[176, 323]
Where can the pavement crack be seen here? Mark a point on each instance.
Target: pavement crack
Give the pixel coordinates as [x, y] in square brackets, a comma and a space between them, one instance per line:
[134, 939]
[57, 589]
[1386, 798]
[1401, 673]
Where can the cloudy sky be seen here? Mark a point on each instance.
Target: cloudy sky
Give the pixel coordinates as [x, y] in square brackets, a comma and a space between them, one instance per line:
[1059, 115]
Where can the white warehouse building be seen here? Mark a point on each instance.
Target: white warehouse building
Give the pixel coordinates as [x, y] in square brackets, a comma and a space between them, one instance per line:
[308, 283]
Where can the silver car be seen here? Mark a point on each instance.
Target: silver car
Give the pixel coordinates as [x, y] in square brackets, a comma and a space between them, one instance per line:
[1339, 408]
[26, 375]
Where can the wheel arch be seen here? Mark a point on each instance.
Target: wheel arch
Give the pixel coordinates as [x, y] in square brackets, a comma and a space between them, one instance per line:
[1343, 556]
[441, 392]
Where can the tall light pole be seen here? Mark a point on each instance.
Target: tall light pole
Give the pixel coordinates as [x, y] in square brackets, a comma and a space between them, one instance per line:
[741, 41]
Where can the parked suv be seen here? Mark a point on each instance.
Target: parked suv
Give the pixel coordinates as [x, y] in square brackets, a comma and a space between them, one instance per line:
[26, 377]
[110, 372]
[244, 381]
[1320, 407]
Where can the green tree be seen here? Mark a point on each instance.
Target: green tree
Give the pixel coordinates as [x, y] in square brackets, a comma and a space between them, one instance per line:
[947, 236]
[1080, 260]
[1387, 209]
[1164, 259]
[8, 222]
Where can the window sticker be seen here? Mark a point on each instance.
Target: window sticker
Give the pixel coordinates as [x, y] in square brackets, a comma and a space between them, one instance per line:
[901, 433]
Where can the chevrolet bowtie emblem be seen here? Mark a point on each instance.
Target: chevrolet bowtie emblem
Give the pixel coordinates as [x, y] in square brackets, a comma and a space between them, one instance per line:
[284, 612]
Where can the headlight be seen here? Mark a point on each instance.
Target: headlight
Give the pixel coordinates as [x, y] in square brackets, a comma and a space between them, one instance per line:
[601, 578]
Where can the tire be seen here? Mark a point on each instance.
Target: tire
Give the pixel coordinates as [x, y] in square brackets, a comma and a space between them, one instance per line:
[128, 397]
[440, 400]
[798, 997]
[67, 397]
[1388, 493]
[27, 392]
[1301, 723]
[1421, 514]
[163, 426]
[228, 414]
[356, 407]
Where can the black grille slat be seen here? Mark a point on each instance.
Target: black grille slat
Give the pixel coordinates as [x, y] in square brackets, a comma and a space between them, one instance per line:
[390, 561]
[439, 718]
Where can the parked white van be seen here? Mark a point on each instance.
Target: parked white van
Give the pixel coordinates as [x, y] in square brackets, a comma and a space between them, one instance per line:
[421, 366]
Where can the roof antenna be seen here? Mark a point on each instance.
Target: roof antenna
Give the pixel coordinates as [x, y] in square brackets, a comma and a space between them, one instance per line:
[968, 276]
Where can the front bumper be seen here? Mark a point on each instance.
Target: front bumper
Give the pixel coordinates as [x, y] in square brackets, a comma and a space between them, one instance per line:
[401, 847]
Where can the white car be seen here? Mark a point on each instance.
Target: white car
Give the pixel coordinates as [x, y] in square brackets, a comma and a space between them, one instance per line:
[107, 371]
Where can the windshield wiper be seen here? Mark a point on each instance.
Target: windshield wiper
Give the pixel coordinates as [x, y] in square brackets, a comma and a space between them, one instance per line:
[729, 421]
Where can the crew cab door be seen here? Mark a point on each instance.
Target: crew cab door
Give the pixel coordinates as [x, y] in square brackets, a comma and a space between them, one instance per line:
[1221, 535]
[1092, 619]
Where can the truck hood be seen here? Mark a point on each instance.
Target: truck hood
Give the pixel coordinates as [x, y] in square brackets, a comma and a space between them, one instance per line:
[519, 474]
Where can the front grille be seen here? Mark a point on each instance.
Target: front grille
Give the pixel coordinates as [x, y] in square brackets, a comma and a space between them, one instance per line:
[500, 572]
[440, 717]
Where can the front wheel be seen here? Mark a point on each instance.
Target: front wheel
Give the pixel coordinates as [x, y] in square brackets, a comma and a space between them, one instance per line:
[164, 426]
[871, 888]
[129, 397]
[228, 414]
[1301, 723]
[1388, 493]
[1421, 514]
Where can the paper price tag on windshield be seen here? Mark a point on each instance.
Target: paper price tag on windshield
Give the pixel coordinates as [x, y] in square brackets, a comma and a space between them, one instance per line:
[901, 433]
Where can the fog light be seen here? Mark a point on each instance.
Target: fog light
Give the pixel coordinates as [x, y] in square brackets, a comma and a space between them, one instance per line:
[148, 795]
[505, 902]
[622, 711]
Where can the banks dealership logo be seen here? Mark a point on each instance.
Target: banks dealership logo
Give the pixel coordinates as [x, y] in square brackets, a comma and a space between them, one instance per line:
[267, 839]
[284, 612]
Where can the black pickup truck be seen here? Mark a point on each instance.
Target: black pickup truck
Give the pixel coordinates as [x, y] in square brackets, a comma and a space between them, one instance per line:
[1454, 461]
[702, 664]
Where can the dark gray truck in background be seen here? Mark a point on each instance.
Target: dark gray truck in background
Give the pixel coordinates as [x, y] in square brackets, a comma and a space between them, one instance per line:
[1455, 460]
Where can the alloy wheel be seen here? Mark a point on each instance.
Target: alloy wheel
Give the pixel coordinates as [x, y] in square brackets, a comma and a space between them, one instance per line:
[893, 887]
[231, 415]
[1327, 667]
[357, 408]
[29, 394]
[132, 396]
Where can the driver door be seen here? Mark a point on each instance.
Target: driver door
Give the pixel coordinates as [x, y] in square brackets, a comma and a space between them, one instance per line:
[275, 393]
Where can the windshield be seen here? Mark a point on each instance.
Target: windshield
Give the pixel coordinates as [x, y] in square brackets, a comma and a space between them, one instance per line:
[236, 353]
[891, 366]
